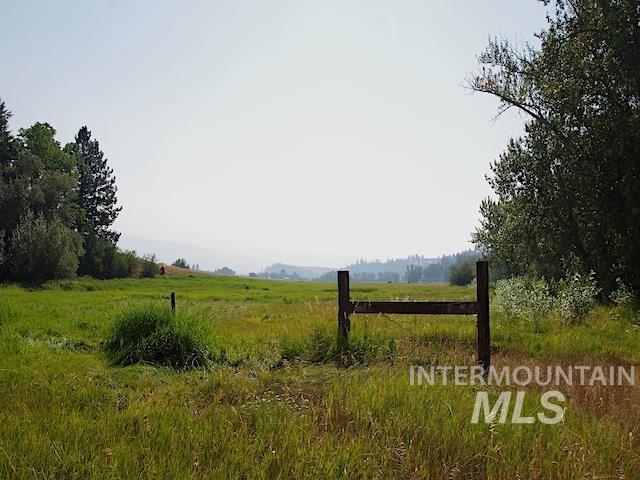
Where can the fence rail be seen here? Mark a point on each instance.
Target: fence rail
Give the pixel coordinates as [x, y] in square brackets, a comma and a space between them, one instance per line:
[480, 308]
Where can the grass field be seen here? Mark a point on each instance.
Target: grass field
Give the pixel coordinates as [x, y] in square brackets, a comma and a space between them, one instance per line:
[276, 407]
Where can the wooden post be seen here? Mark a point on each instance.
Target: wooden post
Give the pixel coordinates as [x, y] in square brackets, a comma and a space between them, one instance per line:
[483, 334]
[173, 302]
[344, 324]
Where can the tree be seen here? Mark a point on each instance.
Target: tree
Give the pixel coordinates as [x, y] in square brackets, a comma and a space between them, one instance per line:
[413, 274]
[568, 191]
[96, 203]
[231, 273]
[58, 191]
[96, 187]
[7, 157]
[181, 262]
[149, 265]
[37, 179]
[461, 274]
[44, 249]
[102, 259]
[42, 176]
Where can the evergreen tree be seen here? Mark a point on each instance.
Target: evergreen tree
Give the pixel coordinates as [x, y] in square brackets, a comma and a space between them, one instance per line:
[96, 188]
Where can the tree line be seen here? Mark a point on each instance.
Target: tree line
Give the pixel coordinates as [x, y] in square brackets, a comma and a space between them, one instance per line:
[57, 206]
[417, 269]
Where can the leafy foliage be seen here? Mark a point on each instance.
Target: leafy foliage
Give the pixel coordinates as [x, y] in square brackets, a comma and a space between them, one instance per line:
[577, 296]
[152, 334]
[623, 296]
[43, 250]
[521, 299]
[36, 180]
[64, 192]
[461, 274]
[570, 187]
[149, 266]
[413, 273]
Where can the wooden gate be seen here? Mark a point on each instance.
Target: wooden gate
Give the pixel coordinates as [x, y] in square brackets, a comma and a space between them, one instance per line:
[480, 308]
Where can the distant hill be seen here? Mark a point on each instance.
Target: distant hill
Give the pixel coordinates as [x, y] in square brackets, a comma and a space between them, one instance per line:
[207, 258]
[303, 272]
[176, 271]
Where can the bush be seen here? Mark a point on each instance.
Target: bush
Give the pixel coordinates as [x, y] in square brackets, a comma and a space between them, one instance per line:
[461, 274]
[149, 266]
[577, 296]
[102, 259]
[622, 296]
[44, 250]
[523, 299]
[128, 261]
[154, 335]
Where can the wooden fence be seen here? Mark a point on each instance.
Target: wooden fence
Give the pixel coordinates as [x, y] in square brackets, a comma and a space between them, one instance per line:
[480, 308]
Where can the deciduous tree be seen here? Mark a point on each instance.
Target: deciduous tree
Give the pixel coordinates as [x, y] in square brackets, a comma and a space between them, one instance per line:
[568, 190]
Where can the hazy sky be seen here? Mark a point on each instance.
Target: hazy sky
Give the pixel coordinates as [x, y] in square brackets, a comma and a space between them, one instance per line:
[304, 132]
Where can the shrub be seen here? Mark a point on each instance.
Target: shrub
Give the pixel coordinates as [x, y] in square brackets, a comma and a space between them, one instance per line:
[103, 259]
[577, 296]
[624, 299]
[154, 335]
[128, 263]
[43, 250]
[622, 296]
[523, 299]
[461, 274]
[149, 266]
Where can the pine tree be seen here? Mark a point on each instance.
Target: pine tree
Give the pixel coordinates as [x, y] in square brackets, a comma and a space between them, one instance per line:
[96, 188]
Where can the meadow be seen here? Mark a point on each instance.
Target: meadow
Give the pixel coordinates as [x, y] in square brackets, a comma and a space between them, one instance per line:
[278, 404]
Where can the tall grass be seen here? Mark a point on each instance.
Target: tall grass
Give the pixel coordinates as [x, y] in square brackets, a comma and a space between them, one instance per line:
[321, 346]
[152, 334]
[67, 412]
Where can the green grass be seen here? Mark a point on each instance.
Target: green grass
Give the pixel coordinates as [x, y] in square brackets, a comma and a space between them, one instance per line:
[153, 334]
[286, 402]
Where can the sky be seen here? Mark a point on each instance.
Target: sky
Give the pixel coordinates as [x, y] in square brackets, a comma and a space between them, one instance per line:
[305, 132]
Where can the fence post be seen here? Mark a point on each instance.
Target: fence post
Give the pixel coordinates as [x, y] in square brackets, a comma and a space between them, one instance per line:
[344, 324]
[483, 334]
[173, 302]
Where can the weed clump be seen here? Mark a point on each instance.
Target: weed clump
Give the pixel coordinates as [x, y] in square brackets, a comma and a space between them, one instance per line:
[154, 335]
[321, 346]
